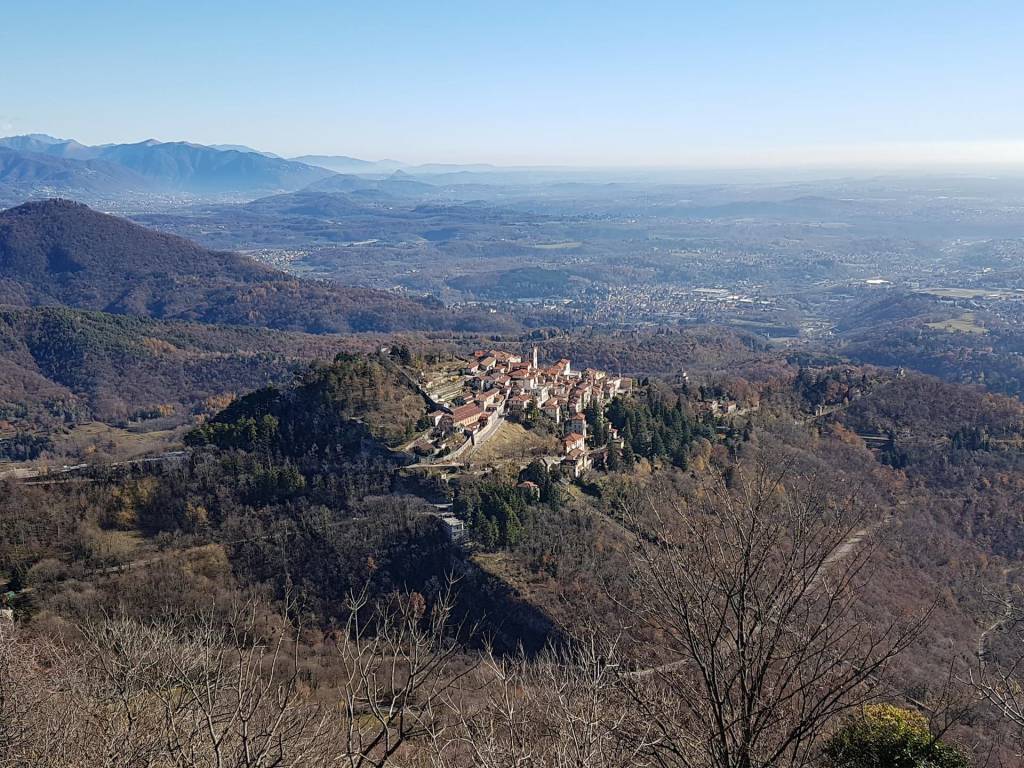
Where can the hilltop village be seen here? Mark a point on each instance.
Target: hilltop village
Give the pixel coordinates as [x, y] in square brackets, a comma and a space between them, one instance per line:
[474, 397]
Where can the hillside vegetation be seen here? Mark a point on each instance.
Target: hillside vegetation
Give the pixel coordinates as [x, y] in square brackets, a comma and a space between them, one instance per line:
[289, 497]
[64, 253]
[60, 368]
[331, 402]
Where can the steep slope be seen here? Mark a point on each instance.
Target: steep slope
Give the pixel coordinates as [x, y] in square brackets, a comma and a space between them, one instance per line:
[58, 252]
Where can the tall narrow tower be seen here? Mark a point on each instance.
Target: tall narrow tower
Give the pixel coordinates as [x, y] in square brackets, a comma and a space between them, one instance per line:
[535, 357]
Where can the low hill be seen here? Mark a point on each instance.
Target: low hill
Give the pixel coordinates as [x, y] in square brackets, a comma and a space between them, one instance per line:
[396, 185]
[306, 203]
[64, 253]
[333, 409]
[58, 252]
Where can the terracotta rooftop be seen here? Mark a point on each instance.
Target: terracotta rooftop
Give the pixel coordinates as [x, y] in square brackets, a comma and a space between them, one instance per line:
[467, 411]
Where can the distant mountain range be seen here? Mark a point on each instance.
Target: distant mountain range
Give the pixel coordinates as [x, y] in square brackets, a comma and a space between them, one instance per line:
[398, 184]
[40, 143]
[343, 164]
[196, 168]
[243, 148]
[25, 174]
[60, 253]
[38, 165]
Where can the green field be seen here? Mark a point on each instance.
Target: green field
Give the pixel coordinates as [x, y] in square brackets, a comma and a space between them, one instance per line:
[963, 324]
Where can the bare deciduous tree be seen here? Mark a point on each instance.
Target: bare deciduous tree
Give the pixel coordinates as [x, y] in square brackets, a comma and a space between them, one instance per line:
[564, 709]
[753, 593]
[202, 692]
[400, 668]
[39, 723]
[196, 693]
[998, 678]
[745, 601]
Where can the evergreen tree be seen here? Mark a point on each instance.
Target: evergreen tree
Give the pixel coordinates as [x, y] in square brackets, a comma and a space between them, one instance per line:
[679, 457]
[628, 457]
[536, 472]
[614, 461]
[513, 529]
[554, 495]
[490, 535]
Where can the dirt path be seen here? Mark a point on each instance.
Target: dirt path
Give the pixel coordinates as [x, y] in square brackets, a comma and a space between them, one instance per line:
[983, 649]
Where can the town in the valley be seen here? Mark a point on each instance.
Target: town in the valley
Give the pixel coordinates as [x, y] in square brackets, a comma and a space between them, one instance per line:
[474, 397]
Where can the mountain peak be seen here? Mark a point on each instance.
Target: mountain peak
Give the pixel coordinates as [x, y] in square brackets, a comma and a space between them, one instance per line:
[42, 138]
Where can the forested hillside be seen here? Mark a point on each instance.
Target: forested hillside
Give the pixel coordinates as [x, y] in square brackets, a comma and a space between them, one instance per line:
[337, 401]
[293, 497]
[62, 253]
[60, 368]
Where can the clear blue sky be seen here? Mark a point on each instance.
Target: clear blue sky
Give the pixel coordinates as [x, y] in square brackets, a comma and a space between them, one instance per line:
[593, 83]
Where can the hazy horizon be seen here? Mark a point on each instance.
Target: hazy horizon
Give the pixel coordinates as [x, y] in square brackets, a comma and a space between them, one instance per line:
[738, 85]
[965, 158]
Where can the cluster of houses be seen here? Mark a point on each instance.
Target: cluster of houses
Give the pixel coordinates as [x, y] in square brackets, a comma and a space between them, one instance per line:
[557, 390]
[496, 383]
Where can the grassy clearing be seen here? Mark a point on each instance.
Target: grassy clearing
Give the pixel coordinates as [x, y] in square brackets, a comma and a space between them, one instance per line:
[512, 442]
[963, 324]
[98, 441]
[122, 546]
